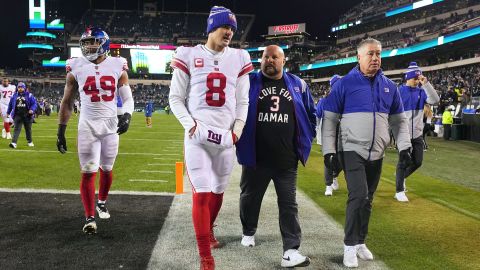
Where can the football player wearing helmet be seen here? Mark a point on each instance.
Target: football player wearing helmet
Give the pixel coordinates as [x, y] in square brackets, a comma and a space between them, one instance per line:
[98, 79]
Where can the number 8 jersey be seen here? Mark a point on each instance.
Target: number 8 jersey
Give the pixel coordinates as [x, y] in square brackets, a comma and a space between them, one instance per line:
[97, 85]
[210, 94]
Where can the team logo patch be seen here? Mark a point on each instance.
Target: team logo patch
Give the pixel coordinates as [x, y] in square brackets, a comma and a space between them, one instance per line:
[214, 137]
[297, 89]
[387, 90]
[198, 62]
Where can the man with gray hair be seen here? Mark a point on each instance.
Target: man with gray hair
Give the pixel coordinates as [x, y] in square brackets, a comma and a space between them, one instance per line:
[366, 103]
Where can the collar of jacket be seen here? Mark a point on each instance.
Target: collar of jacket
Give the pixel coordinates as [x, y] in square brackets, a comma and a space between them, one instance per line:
[356, 71]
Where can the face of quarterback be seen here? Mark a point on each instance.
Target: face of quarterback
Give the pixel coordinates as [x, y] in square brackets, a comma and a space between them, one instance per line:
[5, 82]
[369, 58]
[273, 60]
[220, 38]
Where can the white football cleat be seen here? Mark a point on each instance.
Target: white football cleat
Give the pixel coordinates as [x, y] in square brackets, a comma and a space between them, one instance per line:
[364, 253]
[30, 144]
[248, 241]
[102, 211]
[293, 258]
[13, 145]
[9, 136]
[90, 226]
[329, 191]
[4, 133]
[335, 183]
[350, 256]
[401, 197]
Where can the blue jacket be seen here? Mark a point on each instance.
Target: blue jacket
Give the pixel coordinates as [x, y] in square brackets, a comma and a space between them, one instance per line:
[149, 109]
[319, 110]
[29, 99]
[304, 114]
[366, 109]
[414, 98]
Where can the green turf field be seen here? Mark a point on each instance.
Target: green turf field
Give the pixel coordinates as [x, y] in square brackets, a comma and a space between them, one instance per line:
[144, 154]
[438, 229]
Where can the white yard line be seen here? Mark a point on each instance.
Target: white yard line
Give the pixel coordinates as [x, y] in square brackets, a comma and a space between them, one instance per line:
[147, 171]
[74, 152]
[160, 164]
[147, 180]
[63, 191]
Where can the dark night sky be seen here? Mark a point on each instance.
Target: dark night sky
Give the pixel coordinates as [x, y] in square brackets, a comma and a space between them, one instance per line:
[319, 16]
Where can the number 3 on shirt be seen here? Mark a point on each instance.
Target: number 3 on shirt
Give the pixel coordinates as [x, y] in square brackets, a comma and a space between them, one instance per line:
[90, 88]
[216, 83]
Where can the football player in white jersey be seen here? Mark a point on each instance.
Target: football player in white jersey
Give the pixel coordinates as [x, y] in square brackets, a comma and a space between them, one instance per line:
[209, 96]
[6, 92]
[97, 78]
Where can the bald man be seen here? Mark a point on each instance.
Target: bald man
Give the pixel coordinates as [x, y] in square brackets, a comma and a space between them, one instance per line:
[278, 133]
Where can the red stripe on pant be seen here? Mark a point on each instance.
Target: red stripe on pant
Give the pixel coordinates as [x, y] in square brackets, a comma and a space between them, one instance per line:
[87, 192]
[106, 178]
[201, 222]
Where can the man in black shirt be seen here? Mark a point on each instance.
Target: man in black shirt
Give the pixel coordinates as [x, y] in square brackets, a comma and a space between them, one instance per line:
[22, 107]
[278, 133]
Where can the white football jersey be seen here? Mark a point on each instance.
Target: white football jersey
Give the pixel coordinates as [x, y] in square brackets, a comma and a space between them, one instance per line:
[7, 93]
[211, 91]
[97, 85]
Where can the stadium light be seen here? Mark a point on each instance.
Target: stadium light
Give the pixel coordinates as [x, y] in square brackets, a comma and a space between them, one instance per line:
[35, 46]
[41, 34]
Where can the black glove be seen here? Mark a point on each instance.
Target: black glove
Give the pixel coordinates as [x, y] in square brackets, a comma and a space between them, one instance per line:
[123, 123]
[405, 157]
[331, 162]
[61, 141]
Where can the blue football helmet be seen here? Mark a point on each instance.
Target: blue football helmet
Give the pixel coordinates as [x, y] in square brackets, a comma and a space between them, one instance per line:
[94, 43]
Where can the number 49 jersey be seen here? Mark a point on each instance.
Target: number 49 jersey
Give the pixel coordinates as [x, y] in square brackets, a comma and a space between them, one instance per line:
[97, 85]
[213, 78]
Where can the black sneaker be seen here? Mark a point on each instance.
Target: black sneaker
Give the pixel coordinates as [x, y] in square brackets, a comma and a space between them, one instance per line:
[90, 226]
[102, 211]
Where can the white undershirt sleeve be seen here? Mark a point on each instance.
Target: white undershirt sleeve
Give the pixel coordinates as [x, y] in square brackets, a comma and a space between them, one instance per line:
[177, 97]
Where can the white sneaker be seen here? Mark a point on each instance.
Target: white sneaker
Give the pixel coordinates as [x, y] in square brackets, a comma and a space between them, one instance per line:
[364, 253]
[30, 144]
[328, 191]
[13, 145]
[9, 136]
[350, 256]
[4, 133]
[293, 258]
[401, 197]
[248, 241]
[335, 183]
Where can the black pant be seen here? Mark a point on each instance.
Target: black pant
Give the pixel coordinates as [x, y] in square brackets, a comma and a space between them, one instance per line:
[426, 130]
[362, 180]
[329, 175]
[253, 184]
[447, 131]
[19, 121]
[405, 170]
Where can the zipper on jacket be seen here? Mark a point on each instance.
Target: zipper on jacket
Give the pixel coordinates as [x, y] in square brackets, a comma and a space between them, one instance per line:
[374, 119]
